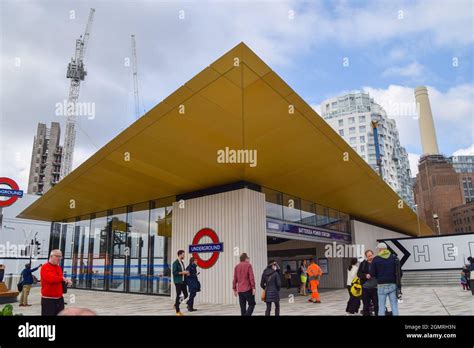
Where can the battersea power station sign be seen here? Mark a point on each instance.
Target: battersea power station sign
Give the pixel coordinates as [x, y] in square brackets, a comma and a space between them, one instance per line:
[215, 248]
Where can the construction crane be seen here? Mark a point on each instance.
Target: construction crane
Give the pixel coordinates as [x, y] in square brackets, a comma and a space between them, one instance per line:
[135, 78]
[76, 72]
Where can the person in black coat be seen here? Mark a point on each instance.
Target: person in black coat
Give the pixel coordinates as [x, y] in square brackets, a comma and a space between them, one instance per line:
[271, 284]
[369, 284]
[193, 283]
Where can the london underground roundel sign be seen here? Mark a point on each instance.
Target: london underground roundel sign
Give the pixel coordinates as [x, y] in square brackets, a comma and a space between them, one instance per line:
[13, 192]
[213, 248]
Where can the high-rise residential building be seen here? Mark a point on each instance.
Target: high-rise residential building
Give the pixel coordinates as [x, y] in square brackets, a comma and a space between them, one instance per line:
[350, 115]
[45, 159]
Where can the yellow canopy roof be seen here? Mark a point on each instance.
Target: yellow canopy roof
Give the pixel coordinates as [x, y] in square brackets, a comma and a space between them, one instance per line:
[240, 103]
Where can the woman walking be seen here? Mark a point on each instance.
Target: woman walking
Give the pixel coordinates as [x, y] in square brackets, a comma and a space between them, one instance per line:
[193, 283]
[353, 304]
[271, 284]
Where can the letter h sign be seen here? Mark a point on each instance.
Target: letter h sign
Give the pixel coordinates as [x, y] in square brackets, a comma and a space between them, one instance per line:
[425, 253]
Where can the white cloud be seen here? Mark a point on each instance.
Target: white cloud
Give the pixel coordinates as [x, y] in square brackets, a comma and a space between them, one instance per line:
[412, 70]
[413, 158]
[469, 151]
[452, 110]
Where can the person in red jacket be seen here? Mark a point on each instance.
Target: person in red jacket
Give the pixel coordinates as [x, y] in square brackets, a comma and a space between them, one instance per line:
[52, 301]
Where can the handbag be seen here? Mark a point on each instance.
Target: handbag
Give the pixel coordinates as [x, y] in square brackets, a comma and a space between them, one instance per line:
[64, 287]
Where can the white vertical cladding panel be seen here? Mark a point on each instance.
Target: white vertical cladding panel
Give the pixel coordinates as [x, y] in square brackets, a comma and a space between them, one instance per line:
[238, 218]
[367, 235]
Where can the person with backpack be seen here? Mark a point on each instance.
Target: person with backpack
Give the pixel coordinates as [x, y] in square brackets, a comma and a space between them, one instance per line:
[369, 285]
[271, 284]
[386, 269]
[25, 284]
[353, 304]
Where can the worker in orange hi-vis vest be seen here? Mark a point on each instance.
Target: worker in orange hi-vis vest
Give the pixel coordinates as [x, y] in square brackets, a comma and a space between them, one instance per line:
[314, 274]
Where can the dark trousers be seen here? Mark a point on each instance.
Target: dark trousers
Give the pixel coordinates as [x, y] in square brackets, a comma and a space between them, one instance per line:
[288, 283]
[180, 288]
[190, 302]
[51, 306]
[353, 304]
[370, 296]
[269, 308]
[244, 298]
[471, 284]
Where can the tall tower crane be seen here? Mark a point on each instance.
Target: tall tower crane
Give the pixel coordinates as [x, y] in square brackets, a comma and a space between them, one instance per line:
[76, 72]
[135, 78]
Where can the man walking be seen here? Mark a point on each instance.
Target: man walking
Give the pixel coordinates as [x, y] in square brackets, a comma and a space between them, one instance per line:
[179, 274]
[386, 269]
[244, 285]
[369, 284]
[52, 301]
[27, 276]
[314, 274]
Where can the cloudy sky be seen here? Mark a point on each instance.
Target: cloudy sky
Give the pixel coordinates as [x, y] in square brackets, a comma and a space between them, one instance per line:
[389, 48]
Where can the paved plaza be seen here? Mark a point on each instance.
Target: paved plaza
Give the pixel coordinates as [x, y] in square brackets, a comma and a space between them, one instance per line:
[443, 300]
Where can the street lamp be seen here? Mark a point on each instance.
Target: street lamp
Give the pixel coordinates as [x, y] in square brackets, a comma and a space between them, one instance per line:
[375, 119]
[436, 219]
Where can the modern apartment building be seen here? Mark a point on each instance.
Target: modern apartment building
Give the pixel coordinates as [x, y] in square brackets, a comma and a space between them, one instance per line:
[350, 116]
[45, 159]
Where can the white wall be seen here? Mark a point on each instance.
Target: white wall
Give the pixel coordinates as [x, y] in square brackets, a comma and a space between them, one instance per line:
[367, 235]
[238, 218]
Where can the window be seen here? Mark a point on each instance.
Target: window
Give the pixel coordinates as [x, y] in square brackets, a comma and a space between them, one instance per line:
[362, 129]
[160, 243]
[308, 213]
[137, 240]
[291, 208]
[274, 202]
[341, 122]
[352, 140]
[351, 120]
[117, 246]
[362, 148]
[362, 138]
[99, 238]
[352, 130]
[361, 118]
[341, 132]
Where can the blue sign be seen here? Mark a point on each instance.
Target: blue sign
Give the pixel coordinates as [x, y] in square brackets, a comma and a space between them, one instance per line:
[11, 193]
[206, 248]
[307, 231]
